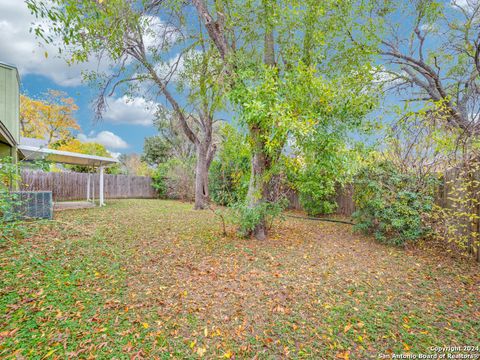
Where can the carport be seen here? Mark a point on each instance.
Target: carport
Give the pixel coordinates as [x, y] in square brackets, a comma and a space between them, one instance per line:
[96, 163]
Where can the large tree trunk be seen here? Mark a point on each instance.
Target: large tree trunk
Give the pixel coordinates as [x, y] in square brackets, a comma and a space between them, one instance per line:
[205, 148]
[261, 163]
[257, 189]
[202, 197]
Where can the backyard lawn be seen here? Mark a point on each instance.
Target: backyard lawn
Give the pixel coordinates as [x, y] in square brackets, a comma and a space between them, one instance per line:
[156, 279]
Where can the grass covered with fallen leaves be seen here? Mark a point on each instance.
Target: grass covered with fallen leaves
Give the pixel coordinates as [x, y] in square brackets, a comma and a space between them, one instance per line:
[155, 279]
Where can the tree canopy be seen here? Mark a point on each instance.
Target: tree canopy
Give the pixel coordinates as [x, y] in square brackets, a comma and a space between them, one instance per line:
[51, 118]
[301, 79]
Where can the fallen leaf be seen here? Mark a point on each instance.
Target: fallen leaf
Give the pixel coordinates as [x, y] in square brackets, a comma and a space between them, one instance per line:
[343, 355]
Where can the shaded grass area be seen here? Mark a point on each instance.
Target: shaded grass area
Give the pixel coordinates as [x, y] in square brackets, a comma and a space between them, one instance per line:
[155, 279]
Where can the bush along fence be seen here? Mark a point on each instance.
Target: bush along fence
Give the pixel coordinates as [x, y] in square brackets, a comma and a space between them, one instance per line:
[445, 210]
[453, 218]
[67, 186]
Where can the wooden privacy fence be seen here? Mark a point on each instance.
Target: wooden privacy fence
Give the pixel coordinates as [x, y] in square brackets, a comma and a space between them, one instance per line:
[343, 198]
[345, 202]
[461, 222]
[66, 186]
[459, 195]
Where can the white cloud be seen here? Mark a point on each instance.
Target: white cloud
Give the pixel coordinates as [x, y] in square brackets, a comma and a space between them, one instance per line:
[382, 76]
[157, 34]
[135, 111]
[428, 27]
[174, 67]
[106, 138]
[22, 49]
[467, 5]
[114, 155]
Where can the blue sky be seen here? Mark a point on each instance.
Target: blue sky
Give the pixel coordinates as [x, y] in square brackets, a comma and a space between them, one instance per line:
[125, 124]
[130, 134]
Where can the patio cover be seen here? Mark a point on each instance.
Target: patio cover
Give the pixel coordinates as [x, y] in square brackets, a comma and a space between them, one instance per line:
[64, 157]
[29, 152]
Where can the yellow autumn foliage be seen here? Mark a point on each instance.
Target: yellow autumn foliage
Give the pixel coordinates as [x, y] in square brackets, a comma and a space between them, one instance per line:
[51, 118]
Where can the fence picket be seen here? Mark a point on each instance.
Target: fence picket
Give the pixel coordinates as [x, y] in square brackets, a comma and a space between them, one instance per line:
[67, 186]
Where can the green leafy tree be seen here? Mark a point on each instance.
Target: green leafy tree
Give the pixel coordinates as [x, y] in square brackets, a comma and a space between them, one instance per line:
[230, 171]
[155, 150]
[170, 142]
[286, 75]
[281, 62]
[138, 42]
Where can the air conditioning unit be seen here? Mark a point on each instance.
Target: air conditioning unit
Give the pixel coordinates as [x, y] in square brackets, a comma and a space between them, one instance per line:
[33, 204]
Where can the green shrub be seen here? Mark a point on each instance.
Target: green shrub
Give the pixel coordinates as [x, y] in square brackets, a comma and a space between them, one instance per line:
[175, 179]
[228, 185]
[316, 193]
[392, 205]
[327, 163]
[230, 172]
[9, 177]
[247, 217]
[159, 181]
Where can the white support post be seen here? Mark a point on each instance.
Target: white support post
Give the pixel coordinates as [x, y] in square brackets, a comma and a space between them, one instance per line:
[100, 190]
[88, 187]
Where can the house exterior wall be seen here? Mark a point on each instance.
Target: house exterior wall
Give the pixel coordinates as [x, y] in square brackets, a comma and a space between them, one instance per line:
[5, 150]
[9, 111]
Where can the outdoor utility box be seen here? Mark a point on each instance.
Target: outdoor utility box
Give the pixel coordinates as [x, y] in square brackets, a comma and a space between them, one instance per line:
[33, 204]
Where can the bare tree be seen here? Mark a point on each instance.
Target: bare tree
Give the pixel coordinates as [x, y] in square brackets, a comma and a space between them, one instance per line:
[436, 58]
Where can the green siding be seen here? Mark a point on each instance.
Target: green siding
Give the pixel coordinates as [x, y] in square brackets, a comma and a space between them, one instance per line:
[4, 150]
[9, 100]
